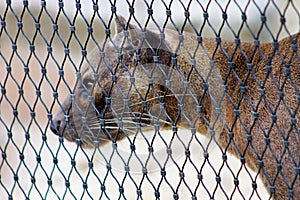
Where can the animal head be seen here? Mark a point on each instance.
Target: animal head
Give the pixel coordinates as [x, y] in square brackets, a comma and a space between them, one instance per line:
[135, 82]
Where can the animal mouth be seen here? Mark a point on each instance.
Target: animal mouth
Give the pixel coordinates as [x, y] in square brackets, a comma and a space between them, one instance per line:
[54, 127]
[110, 126]
[58, 125]
[102, 126]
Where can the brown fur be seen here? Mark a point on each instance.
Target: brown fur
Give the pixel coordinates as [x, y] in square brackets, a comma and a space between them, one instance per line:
[278, 163]
[270, 103]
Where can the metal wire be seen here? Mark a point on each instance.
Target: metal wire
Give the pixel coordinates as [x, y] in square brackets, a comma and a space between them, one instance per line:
[146, 151]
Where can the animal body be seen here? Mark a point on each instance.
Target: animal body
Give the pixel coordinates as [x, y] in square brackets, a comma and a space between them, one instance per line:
[246, 96]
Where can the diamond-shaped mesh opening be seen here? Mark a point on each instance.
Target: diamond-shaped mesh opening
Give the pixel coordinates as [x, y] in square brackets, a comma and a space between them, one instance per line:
[149, 99]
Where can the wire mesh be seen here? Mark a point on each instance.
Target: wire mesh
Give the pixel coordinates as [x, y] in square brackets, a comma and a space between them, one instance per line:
[149, 99]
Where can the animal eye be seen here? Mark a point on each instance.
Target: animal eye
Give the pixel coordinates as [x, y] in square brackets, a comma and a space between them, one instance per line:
[89, 83]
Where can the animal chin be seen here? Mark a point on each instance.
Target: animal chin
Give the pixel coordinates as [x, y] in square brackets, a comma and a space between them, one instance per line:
[111, 130]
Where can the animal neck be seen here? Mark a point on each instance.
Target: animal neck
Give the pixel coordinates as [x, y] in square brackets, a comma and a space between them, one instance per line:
[234, 66]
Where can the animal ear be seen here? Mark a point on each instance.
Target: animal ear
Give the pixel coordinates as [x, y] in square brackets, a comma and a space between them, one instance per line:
[133, 33]
[122, 25]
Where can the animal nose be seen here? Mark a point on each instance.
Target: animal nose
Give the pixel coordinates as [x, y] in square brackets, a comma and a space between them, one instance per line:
[55, 126]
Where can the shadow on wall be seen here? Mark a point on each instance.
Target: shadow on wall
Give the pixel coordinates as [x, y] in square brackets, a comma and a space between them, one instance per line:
[25, 154]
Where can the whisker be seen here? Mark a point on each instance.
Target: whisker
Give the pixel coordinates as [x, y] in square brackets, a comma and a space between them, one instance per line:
[94, 124]
[133, 122]
[117, 128]
[152, 118]
[154, 98]
[139, 102]
[138, 113]
[93, 138]
[130, 120]
[109, 126]
[126, 119]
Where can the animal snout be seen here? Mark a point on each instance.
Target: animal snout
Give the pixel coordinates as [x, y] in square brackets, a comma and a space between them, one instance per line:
[55, 126]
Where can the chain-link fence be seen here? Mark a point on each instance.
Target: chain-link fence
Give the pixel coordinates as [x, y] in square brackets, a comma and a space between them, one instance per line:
[149, 99]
